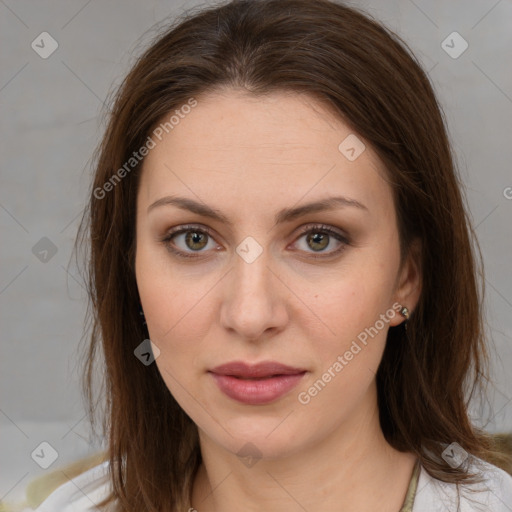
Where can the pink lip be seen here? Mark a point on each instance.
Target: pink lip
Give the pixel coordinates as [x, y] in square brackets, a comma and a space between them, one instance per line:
[236, 380]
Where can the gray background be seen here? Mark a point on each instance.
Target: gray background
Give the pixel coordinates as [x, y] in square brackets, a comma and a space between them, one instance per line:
[50, 125]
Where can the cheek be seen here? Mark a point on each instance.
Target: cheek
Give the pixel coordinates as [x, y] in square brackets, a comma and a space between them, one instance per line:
[354, 303]
[352, 309]
[176, 307]
[177, 319]
[347, 361]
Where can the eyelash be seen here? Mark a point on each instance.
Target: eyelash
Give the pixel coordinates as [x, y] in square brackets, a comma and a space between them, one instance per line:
[317, 228]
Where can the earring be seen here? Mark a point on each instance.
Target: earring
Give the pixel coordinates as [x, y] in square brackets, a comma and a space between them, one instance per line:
[141, 313]
[405, 313]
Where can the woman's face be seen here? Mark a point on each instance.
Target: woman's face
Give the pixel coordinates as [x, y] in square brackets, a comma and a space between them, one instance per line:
[267, 282]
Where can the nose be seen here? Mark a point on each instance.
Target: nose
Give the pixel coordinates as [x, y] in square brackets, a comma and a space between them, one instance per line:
[254, 300]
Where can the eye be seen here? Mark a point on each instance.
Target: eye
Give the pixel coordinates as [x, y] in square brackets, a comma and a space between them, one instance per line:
[319, 237]
[184, 241]
[192, 238]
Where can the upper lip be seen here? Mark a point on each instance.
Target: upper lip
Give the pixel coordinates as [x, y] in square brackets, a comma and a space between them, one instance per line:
[263, 369]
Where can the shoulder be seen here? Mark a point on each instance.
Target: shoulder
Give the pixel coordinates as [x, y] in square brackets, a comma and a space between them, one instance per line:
[493, 493]
[79, 494]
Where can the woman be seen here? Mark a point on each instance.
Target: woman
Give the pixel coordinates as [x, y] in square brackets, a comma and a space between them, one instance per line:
[275, 207]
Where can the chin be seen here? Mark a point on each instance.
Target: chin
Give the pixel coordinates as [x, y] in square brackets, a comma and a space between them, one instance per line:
[265, 438]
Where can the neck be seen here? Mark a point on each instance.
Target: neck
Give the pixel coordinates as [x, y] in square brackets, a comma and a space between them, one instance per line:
[354, 468]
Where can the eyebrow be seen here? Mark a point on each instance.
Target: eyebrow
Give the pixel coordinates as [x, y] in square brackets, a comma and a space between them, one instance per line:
[284, 215]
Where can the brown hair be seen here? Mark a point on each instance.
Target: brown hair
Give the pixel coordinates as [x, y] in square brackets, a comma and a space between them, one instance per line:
[368, 77]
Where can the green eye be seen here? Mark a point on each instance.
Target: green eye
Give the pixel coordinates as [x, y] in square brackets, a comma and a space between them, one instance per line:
[196, 239]
[319, 237]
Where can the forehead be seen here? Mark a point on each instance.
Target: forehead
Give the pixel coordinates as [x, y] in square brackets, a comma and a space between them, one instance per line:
[261, 148]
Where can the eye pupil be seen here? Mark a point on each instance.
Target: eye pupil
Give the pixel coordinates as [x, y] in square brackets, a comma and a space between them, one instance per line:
[195, 237]
[318, 238]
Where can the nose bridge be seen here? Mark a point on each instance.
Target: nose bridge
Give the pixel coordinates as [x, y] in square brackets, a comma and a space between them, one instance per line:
[251, 270]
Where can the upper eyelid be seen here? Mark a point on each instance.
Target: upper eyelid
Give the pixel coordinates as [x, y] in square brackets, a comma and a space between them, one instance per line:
[178, 230]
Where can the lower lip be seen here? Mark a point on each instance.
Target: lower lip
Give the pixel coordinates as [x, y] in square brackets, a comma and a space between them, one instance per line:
[255, 392]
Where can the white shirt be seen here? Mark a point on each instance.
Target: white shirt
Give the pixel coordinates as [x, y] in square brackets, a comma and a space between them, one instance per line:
[493, 495]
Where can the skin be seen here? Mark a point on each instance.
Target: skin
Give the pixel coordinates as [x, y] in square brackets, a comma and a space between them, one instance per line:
[249, 157]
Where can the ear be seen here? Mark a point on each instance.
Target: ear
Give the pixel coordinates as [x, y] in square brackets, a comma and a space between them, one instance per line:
[409, 282]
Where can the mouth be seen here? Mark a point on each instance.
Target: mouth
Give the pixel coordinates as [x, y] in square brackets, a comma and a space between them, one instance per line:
[257, 384]
[265, 369]
[255, 378]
